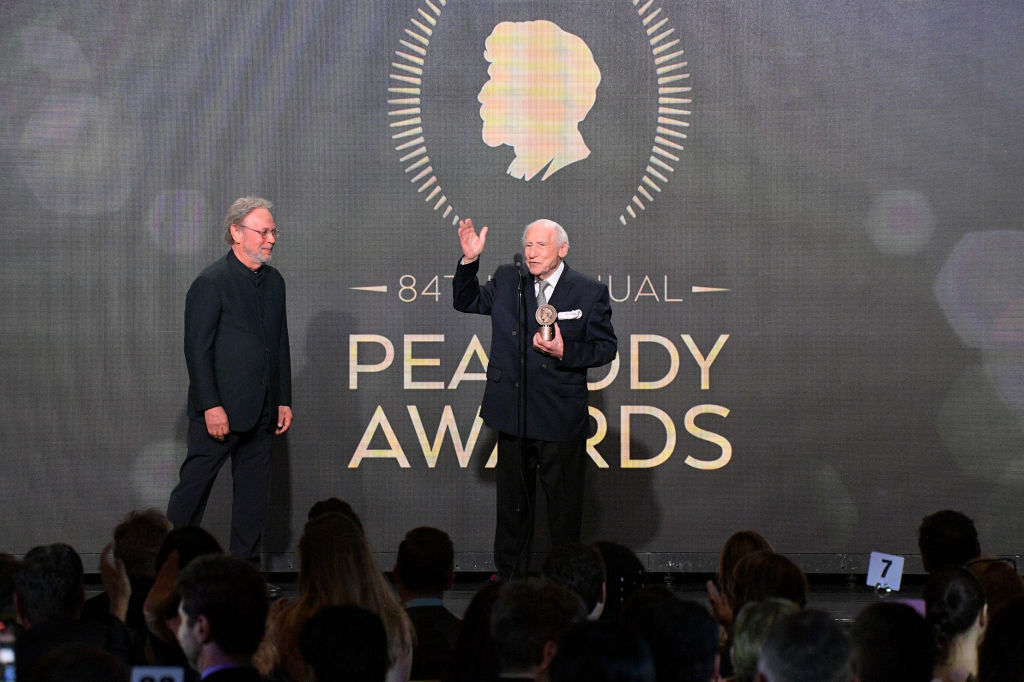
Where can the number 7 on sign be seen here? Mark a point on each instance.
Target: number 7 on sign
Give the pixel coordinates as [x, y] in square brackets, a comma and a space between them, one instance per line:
[885, 570]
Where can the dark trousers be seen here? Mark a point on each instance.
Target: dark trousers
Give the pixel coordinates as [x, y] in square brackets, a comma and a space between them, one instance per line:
[250, 476]
[561, 468]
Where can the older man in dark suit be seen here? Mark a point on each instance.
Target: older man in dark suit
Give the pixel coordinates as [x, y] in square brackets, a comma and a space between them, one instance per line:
[239, 367]
[549, 438]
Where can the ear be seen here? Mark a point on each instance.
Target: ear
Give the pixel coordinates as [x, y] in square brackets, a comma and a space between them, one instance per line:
[20, 610]
[563, 250]
[202, 628]
[550, 649]
[983, 617]
[235, 230]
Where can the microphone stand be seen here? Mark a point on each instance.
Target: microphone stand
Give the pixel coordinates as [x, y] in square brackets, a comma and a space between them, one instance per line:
[522, 273]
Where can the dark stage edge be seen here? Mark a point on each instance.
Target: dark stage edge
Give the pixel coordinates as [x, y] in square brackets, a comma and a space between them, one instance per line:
[842, 595]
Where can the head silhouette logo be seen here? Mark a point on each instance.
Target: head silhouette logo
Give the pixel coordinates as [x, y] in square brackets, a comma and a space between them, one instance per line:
[542, 82]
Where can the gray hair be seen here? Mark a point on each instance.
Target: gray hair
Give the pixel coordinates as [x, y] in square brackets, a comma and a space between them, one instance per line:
[561, 236]
[240, 208]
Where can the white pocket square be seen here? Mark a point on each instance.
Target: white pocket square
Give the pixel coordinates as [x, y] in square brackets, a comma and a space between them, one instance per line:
[570, 314]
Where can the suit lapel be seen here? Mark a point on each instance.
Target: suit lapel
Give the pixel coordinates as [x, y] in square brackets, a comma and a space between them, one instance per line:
[563, 292]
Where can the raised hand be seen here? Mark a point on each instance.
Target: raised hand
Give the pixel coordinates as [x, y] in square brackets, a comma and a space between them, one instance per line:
[472, 243]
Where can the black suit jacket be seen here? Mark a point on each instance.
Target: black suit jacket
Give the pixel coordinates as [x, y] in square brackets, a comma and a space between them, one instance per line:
[556, 401]
[437, 630]
[236, 342]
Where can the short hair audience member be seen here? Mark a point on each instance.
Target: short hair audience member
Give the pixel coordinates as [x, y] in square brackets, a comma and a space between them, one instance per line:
[49, 594]
[624, 575]
[474, 658]
[528, 620]
[955, 608]
[1001, 653]
[344, 644]
[138, 538]
[80, 663]
[753, 624]
[602, 652]
[947, 538]
[223, 613]
[424, 570]
[579, 568]
[682, 635]
[892, 643]
[808, 646]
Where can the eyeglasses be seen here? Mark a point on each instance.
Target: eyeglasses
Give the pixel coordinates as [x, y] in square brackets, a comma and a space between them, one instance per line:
[263, 233]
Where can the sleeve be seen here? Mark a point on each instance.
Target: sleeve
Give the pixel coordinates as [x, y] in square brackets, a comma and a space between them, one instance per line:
[467, 294]
[598, 344]
[202, 319]
[285, 369]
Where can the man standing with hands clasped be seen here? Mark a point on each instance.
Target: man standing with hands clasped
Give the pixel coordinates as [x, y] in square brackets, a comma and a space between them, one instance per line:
[239, 369]
[556, 420]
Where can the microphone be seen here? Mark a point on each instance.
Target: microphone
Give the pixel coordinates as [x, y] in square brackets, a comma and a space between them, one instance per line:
[524, 272]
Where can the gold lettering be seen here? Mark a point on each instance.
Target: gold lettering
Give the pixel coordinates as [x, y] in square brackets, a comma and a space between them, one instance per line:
[363, 450]
[354, 368]
[646, 284]
[475, 349]
[634, 362]
[715, 438]
[627, 462]
[705, 364]
[599, 433]
[463, 451]
[411, 362]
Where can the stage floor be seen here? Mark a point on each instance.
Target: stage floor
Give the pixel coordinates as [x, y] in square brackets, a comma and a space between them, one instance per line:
[841, 595]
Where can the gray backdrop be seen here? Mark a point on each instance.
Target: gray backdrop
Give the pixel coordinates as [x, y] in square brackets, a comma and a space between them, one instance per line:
[845, 207]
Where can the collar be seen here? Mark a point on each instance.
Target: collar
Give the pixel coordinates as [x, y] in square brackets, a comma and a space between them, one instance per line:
[423, 601]
[256, 275]
[224, 666]
[552, 279]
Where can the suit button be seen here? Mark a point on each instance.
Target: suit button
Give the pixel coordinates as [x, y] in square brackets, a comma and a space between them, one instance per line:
[514, 333]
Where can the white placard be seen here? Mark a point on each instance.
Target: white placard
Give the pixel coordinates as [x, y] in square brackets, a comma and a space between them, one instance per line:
[885, 570]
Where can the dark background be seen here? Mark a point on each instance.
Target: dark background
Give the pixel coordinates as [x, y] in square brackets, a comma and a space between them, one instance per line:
[852, 178]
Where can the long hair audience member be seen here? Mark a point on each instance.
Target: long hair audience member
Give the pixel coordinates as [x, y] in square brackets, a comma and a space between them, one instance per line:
[955, 608]
[740, 544]
[336, 566]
